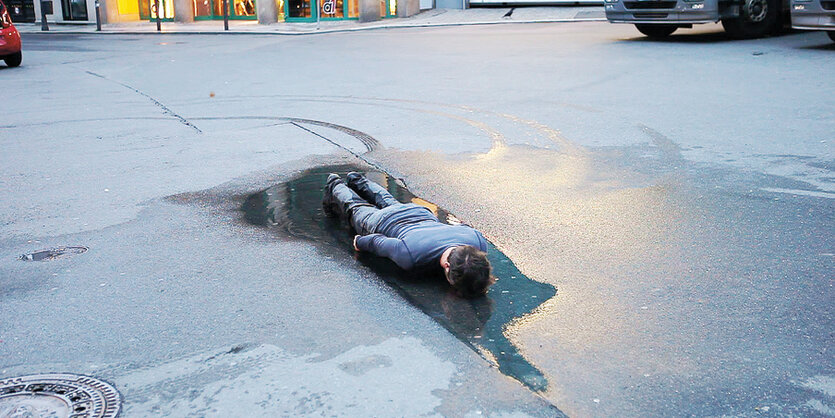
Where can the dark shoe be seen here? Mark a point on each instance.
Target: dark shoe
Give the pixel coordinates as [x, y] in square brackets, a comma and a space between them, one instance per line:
[332, 177]
[328, 204]
[354, 178]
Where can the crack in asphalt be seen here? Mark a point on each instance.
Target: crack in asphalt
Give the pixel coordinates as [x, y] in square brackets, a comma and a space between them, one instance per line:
[165, 108]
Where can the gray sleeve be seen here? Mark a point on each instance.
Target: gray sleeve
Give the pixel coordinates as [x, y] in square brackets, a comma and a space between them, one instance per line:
[391, 248]
[482, 242]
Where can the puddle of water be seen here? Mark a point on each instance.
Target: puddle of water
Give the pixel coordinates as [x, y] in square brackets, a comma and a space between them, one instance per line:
[480, 323]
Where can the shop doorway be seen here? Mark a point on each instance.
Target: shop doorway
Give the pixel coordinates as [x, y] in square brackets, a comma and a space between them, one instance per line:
[148, 10]
[74, 9]
[388, 8]
[213, 9]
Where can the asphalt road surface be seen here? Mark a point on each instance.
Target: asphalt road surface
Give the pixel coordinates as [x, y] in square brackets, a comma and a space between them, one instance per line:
[678, 194]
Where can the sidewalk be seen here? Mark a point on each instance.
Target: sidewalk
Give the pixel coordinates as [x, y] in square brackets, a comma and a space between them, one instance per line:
[427, 18]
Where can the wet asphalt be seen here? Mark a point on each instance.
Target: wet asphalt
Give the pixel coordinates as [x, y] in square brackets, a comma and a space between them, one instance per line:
[677, 194]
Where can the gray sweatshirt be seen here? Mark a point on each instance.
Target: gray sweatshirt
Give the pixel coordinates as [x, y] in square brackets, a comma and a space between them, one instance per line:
[413, 237]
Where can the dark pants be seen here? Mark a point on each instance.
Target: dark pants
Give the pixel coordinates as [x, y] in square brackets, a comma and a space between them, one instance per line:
[365, 203]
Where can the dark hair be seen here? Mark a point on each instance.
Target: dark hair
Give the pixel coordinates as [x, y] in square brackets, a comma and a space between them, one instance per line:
[469, 271]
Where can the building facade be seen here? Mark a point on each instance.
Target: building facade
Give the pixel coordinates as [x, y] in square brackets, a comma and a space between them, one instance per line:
[263, 11]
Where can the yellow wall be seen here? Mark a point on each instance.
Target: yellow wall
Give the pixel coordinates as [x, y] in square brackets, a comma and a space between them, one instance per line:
[121, 11]
[128, 7]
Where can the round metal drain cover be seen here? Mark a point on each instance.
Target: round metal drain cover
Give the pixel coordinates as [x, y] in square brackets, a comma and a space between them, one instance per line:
[57, 395]
[52, 254]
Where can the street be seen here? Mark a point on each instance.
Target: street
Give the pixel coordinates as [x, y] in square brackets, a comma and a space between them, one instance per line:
[677, 195]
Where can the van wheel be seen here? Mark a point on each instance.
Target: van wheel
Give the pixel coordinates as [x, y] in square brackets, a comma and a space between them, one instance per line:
[831, 34]
[14, 59]
[756, 18]
[656, 31]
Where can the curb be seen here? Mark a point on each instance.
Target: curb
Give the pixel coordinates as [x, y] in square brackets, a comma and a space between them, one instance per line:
[316, 32]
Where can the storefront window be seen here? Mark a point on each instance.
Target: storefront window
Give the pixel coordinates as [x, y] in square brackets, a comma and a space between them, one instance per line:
[392, 7]
[202, 8]
[244, 7]
[213, 9]
[353, 8]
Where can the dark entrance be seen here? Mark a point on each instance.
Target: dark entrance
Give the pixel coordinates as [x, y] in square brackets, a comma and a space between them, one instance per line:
[74, 9]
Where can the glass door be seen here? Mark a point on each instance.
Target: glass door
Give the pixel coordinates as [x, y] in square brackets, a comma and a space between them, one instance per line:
[388, 8]
[299, 10]
[333, 9]
[74, 9]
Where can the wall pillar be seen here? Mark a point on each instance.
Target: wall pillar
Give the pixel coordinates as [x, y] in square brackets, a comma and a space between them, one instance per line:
[267, 11]
[183, 11]
[369, 10]
[109, 11]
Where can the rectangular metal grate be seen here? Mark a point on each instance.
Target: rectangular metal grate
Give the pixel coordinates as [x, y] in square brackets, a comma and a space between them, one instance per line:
[649, 4]
[650, 15]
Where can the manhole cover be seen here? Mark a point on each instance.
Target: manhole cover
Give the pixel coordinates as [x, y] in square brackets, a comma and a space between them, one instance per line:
[57, 395]
[52, 254]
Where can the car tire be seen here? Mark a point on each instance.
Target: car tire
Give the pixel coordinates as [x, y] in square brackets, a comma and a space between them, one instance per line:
[756, 19]
[831, 34]
[656, 31]
[13, 60]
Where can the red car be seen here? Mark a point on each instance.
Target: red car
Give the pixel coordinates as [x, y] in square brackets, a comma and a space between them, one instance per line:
[9, 39]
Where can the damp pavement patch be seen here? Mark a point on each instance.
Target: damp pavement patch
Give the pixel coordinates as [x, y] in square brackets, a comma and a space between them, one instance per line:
[265, 380]
[295, 206]
[53, 253]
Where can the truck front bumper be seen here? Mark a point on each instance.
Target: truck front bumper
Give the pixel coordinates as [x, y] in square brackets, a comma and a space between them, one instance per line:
[663, 11]
[813, 15]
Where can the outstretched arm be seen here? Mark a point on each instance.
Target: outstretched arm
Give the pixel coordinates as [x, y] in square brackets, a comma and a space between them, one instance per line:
[391, 248]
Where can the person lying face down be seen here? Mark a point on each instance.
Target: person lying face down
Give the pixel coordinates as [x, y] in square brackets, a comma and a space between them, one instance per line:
[409, 234]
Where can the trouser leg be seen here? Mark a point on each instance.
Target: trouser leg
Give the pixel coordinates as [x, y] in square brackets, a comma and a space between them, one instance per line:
[359, 212]
[371, 191]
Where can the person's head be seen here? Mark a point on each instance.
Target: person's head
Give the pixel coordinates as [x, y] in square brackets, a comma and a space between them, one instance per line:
[468, 271]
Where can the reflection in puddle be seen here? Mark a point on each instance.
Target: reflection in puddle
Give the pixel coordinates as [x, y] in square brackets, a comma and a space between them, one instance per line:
[296, 206]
